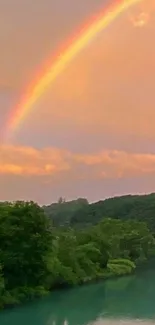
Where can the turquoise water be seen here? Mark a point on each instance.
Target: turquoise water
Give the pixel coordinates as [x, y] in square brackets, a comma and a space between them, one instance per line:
[109, 302]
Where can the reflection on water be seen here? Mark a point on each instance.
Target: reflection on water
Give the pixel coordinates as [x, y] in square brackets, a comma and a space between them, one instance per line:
[123, 322]
[122, 301]
[108, 321]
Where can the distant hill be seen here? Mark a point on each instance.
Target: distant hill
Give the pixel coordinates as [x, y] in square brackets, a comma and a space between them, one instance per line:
[62, 212]
[79, 213]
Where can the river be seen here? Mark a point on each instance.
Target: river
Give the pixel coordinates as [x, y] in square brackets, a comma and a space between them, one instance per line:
[127, 300]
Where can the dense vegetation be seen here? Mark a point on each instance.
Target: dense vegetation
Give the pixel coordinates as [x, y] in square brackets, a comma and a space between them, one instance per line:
[80, 213]
[62, 212]
[36, 256]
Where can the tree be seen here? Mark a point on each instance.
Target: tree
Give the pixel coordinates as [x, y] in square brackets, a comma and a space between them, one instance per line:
[61, 200]
[25, 238]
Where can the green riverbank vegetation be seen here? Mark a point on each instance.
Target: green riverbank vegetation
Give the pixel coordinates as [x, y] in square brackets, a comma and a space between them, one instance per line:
[37, 255]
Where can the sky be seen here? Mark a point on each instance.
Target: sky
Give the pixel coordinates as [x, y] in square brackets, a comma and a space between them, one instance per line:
[92, 133]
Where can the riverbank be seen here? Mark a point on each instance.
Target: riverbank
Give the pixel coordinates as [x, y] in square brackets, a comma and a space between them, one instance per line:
[115, 269]
[28, 294]
[128, 298]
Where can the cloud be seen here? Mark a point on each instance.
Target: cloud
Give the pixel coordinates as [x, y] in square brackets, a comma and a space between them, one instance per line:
[62, 164]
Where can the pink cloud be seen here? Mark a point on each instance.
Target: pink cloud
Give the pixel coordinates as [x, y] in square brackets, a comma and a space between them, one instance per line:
[27, 161]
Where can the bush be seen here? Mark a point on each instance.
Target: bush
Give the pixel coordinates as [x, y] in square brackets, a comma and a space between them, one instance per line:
[120, 266]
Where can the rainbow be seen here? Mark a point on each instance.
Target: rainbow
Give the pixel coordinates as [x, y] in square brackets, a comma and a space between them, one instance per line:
[57, 66]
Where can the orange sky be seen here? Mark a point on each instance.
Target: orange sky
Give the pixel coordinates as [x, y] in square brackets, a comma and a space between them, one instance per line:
[104, 101]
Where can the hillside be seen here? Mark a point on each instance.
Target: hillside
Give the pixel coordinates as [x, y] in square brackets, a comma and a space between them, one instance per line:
[62, 212]
[80, 213]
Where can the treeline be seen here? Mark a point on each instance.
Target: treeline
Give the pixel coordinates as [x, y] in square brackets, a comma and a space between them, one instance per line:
[80, 213]
[36, 257]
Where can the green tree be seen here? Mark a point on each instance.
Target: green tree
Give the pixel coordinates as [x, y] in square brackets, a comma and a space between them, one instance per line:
[25, 238]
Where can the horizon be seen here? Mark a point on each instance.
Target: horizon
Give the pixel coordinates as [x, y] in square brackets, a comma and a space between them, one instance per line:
[85, 198]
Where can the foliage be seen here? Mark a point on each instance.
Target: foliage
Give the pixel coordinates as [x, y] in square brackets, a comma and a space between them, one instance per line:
[24, 243]
[121, 266]
[79, 213]
[36, 256]
[135, 207]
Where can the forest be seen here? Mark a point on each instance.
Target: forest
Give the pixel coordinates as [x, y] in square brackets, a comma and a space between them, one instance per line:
[71, 243]
[79, 213]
